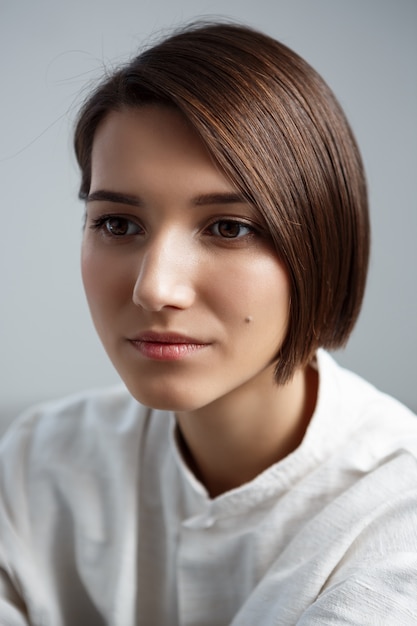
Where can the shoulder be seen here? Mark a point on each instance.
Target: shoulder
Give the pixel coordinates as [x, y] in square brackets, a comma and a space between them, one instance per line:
[79, 456]
[69, 473]
[86, 429]
[77, 406]
[359, 409]
[72, 416]
[363, 443]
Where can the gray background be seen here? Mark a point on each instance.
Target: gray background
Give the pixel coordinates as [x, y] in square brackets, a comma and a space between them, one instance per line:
[50, 54]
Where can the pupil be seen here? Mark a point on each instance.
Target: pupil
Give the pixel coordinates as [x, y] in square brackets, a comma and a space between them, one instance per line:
[229, 229]
[117, 227]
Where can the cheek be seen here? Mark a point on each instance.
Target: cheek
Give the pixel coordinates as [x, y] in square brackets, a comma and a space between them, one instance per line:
[89, 273]
[104, 284]
[257, 288]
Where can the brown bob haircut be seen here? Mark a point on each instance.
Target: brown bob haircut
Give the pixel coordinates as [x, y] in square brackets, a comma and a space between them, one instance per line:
[279, 135]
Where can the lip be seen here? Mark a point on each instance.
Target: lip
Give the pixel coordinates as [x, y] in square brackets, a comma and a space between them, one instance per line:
[166, 346]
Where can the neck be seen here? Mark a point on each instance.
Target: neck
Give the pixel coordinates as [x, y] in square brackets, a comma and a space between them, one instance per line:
[234, 439]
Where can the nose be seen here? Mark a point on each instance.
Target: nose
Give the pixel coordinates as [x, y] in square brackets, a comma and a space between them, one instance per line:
[164, 278]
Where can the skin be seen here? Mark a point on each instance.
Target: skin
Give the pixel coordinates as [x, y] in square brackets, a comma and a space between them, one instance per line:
[170, 247]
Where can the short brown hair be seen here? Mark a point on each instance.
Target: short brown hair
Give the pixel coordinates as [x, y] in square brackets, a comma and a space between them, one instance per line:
[280, 136]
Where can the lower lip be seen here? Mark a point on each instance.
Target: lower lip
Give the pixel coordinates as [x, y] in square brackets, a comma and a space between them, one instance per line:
[167, 351]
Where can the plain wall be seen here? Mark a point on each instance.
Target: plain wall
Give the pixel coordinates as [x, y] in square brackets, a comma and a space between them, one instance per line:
[51, 52]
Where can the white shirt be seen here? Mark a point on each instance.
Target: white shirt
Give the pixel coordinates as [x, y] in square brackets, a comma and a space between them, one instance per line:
[101, 522]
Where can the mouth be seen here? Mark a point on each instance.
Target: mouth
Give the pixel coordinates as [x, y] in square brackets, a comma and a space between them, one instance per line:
[166, 346]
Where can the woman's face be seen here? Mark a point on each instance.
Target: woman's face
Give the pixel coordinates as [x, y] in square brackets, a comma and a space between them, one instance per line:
[186, 292]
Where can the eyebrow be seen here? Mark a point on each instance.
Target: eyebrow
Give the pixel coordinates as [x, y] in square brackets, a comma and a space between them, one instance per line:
[218, 198]
[200, 200]
[114, 196]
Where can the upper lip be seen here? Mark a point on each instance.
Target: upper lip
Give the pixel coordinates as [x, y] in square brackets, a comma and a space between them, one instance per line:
[152, 336]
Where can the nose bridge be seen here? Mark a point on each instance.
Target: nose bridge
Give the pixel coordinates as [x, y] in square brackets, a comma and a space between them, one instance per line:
[164, 276]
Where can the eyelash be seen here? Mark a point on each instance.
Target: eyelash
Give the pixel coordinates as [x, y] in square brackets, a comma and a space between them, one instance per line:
[251, 230]
[102, 223]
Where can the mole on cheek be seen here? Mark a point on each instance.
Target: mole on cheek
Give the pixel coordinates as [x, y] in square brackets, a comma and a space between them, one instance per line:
[248, 319]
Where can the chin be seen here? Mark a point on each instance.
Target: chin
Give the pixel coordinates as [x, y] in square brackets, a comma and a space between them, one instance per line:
[166, 400]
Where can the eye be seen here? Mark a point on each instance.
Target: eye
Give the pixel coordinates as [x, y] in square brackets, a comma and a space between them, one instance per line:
[116, 226]
[230, 229]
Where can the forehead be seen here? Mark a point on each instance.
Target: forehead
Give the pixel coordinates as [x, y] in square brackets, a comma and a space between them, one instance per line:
[151, 141]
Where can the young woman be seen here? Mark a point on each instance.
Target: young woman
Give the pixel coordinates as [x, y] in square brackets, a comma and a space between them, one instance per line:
[242, 477]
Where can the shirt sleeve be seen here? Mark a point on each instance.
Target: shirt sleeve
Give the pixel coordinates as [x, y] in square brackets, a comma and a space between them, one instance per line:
[382, 592]
[376, 581]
